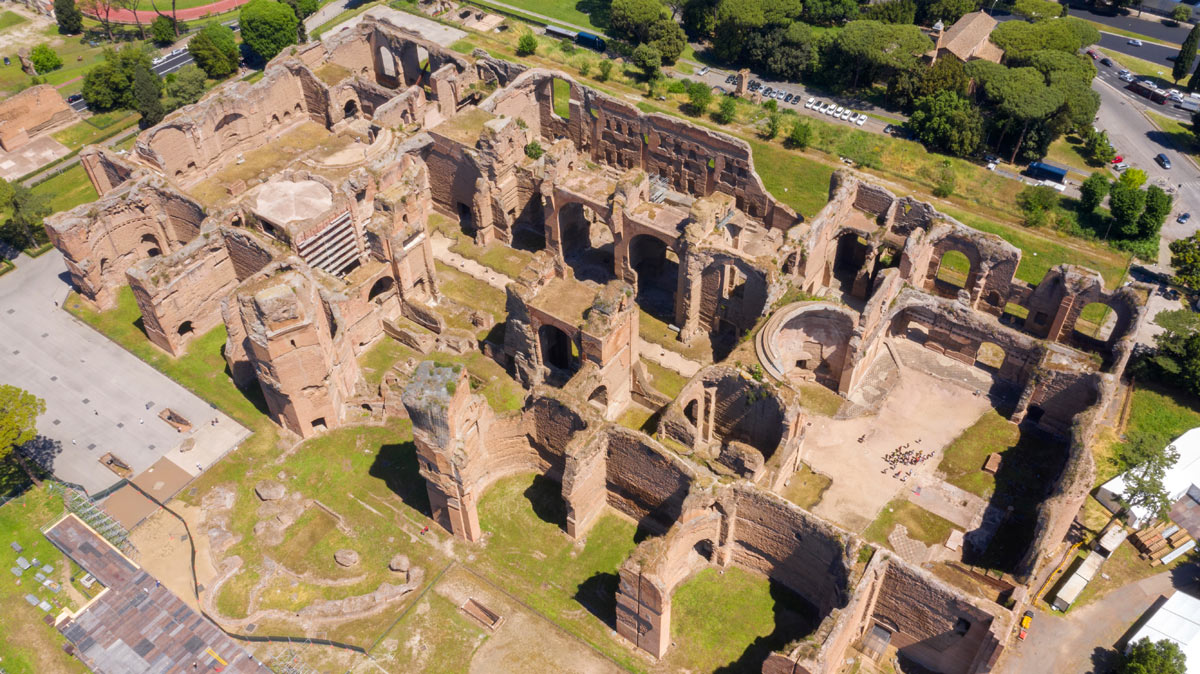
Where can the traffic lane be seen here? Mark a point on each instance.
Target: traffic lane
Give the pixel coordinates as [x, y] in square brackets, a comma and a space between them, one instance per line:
[172, 63]
[1154, 53]
[1138, 142]
[1168, 109]
[1154, 28]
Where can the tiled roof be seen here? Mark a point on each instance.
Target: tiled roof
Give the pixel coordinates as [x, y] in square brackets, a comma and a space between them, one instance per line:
[968, 38]
[136, 624]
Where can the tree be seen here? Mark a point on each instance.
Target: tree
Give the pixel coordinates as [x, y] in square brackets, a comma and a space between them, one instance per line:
[947, 11]
[631, 19]
[1092, 192]
[70, 19]
[163, 30]
[1185, 260]
[946, 181]
[667, 37]
[1187, 53]
[799, 136]
[1181, 13]
[527, 45]
[45, 59]
[215, 50]
[1149, 456]
[24, 229]
[109, 85]
[19, 411]
[774, 122]
[1133, 178]
[605, 67]
[829, 12]
[101, 10]
[267, 27]
[726, 110]
[1161, 657]
[648, 60]
[1019, 39]
[147, 94]
[1036, 202]
[699, 98]
[184, 87]
[302, 9]
[1037, 10]
[1158, 207]
[1126, 204]
[892, 11]
[947, 122]
[132, 6]
[1098, 147]
[880, 48]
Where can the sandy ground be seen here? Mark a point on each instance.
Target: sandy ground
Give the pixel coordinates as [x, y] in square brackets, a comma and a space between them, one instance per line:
[28, 34]
[163, 551]
[920, 407]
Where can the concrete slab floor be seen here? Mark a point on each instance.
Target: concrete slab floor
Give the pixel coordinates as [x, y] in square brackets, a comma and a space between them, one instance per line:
[99, 397]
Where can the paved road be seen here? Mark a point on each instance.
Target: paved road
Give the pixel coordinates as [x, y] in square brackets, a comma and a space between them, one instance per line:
[1084, 639]
[1138, 142]
[173, 61]
[1148, 25]
[99, 397]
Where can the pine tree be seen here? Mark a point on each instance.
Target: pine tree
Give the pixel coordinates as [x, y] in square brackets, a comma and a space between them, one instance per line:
[70, 19]
[147, 89]
[1187, 54]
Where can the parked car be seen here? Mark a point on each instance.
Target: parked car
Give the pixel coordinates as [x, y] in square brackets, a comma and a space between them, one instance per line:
[838, 111]
[1182, 219]
[1093, 54]
[7, 62]
[810, 102]
[862, 119]
[1106, 62]
[1134, 43]
[846, 114]
[1026, 623]
[74, 97]
[1118, 159]
[731, 79]
[1163, 160]
[703, 71]
[1120, 166]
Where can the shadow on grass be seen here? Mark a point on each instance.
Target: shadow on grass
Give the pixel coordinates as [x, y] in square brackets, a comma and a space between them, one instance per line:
[545, 497]
[599, 11]
[397, 466]
[598, 595]
[794, 618]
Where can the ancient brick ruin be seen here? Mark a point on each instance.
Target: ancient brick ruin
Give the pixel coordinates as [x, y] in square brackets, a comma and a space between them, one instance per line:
[327, 251]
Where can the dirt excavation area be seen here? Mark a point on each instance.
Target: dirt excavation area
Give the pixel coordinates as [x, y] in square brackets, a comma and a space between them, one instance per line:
[922, 414]
[163, 550]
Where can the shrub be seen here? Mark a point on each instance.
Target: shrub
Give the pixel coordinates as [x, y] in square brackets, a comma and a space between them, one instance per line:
[527, 45]
[45, 59]
[534, 150]
[606, 67]
[726, 111]
[799, 136]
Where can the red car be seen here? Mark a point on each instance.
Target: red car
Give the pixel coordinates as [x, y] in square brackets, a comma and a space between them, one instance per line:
[1118, 159]
[1093, 54]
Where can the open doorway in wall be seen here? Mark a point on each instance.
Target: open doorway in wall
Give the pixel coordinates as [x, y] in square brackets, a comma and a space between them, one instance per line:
[657, 270]
[557, 349]
[587, 243]
[350, 110]
[953, 271]
[1096, 322]
[849, 258]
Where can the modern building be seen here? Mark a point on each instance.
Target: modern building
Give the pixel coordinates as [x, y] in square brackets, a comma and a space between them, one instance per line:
[1177, 620]
[1180, 482]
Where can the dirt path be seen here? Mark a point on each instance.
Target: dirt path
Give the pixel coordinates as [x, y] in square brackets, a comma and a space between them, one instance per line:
[27, 34]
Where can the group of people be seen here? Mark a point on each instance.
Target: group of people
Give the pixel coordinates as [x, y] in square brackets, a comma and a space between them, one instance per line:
[903, 456]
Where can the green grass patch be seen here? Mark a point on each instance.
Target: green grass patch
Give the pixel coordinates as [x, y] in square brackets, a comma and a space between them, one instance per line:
[529, 555]
[27, 645]
[1068, 151]
[348, 14]
[67, 189]
[818, 399]
[1181, 135]
[637, 418]
[377, 360]
[1050, 250]
[792, 178]
[566, 11]
[562, 98]
[962, 461]
[754, 618]
[434, 637]
[667, 381]
[656, 331]
[10, 19]
[922, 525]
[88, 131]
[806, 487]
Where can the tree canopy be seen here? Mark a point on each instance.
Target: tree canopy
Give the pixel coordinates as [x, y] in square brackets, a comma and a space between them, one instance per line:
[68, 16]
[109, 85]
[215, 50]
[19, 411]
[1160, 657]
[267, 27]
[45, 59]
[947, 122]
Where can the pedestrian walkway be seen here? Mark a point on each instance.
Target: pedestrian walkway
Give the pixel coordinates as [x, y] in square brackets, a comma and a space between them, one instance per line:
[669, 359]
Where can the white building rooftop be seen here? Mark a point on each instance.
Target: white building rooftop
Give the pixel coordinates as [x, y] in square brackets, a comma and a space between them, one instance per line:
[1177, 620]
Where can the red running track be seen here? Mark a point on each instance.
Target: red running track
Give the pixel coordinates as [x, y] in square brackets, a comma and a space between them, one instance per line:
[189, 14]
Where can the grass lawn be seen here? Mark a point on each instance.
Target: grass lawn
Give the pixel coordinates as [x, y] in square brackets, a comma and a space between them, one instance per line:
[637, 418]
[348, 14]
[471, 292]
[94, 129]
[10, 19]
[1050, 249]
[818, 399]
[755, 617]
[528, 554]
[1156, 410]
[667, 381]
[379, 359]
[962, 461]
[498, 256]
[562, 99]
[27, 645]
[67, 189]
[1068, 151]
[806, 487]
[566, 11]
[1180, 134]
[792, 178]
[922, 525]
[658, 332]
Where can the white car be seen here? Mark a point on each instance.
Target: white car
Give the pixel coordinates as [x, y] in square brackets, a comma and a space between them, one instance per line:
[819, 107]
[703, 71]
[1134, 43]
[862, 119]
[845, 115]
[810, 103]
[838, 111]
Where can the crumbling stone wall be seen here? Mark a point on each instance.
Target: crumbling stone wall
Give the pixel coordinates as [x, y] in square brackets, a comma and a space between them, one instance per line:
[179, 295]
[105, 170]
[811, 341]
[304, 363]
[643, 480]
[142, 218]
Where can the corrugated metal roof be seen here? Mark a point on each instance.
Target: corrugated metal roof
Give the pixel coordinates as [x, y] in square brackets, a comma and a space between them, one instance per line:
[1178, 620]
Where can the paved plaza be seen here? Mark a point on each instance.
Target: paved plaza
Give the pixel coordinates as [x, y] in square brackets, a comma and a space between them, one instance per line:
[99, 397]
